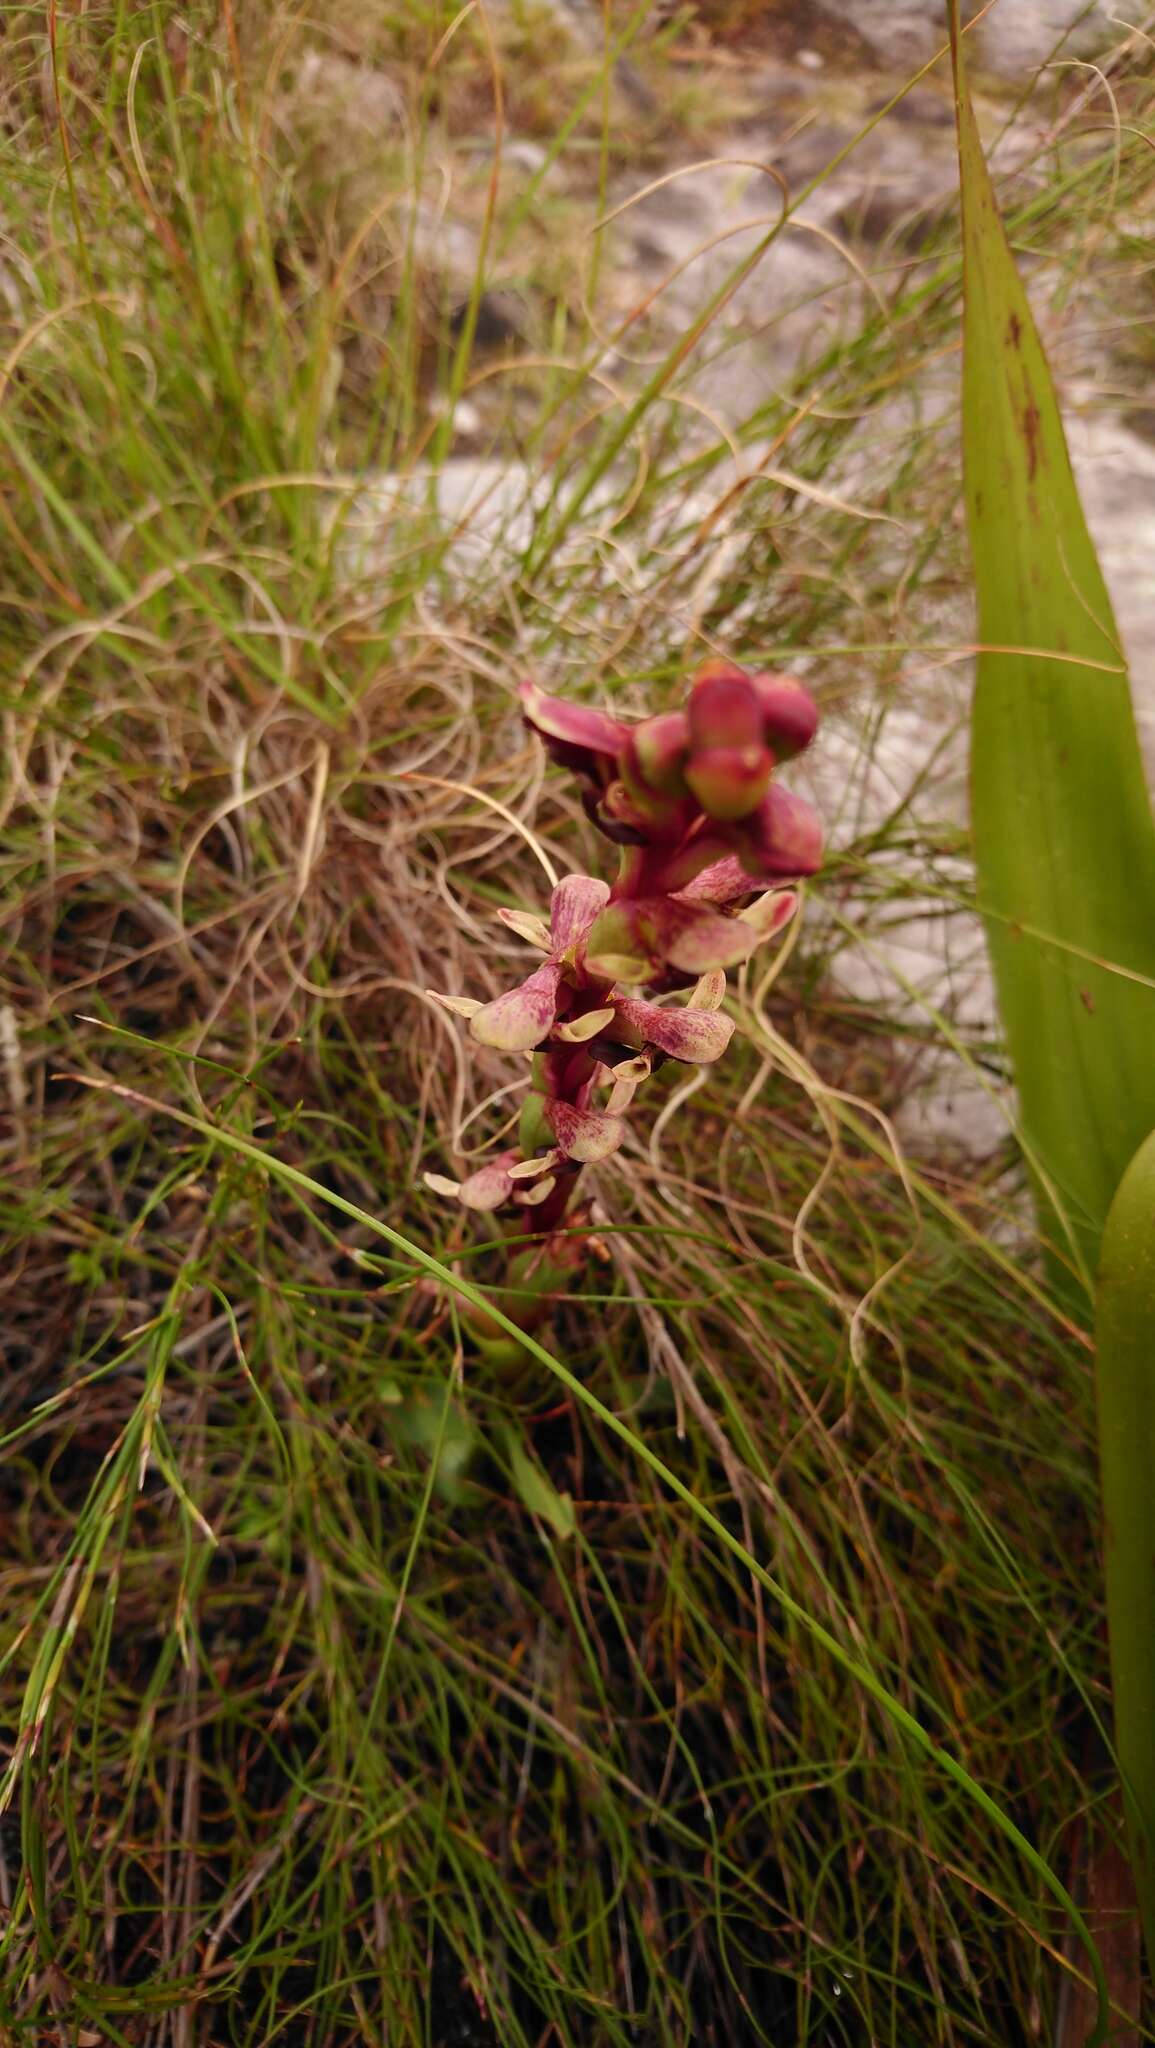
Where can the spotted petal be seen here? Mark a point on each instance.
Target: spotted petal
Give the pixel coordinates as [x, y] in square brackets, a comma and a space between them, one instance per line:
[486, 1189]
[695, 1036]
[520, 1019]
[725, 881]
[582, 1134]
[709, 992]
[573, 907]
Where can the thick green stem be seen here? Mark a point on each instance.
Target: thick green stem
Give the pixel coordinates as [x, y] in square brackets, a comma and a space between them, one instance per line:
[1125, 1318]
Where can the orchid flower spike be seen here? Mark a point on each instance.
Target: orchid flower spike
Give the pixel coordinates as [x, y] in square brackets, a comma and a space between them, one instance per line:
[708, 836]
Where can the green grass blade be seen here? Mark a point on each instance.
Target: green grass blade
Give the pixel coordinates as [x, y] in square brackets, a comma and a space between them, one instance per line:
[474, 1297]
[1125, 1309]
[1063, 834]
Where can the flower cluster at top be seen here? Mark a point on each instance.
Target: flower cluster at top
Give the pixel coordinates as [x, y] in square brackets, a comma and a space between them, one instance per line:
[707, 839]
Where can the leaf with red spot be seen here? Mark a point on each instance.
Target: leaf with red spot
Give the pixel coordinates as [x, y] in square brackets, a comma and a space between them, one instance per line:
[1063, 836]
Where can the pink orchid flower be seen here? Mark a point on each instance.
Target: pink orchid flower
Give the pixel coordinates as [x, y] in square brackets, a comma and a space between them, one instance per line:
[571, 999]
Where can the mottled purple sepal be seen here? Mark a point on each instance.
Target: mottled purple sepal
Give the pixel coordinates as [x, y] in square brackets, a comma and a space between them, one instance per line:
[489, 1187]
[520, 1019]
[572, 909]
[583, 1134]
[695, 1036]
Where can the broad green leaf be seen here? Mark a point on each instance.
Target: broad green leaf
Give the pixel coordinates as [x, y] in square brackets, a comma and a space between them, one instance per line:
[441, 1432]
[537, 1492]
[1125, 1377]
[1063, 834]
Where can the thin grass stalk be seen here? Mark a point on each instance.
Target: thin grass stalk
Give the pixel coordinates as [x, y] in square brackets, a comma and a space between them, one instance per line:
[476, 1299]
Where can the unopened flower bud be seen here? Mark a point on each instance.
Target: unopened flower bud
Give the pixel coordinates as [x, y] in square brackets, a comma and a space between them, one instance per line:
[730, 765]
[656, 818]
[730, 782]
[658, 750]
[789, 713]
[724, 710]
